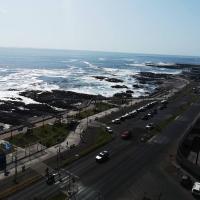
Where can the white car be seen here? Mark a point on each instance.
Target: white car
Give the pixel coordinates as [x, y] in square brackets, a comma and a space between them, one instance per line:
[196, 189]
[149, 126]
[102, 156]
[109, 130]
[116, 121]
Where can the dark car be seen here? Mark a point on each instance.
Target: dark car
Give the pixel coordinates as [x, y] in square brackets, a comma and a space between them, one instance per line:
[126, 135]
[51, 179]
[102, 156]
[186, 182]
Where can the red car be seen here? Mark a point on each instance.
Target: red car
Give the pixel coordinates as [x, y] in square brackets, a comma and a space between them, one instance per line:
[126, 135]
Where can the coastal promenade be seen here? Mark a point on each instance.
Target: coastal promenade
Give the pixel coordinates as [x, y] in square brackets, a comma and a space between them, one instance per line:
[74, 137]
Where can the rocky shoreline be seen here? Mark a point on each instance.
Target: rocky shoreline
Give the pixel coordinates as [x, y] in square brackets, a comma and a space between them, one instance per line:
[16, 112]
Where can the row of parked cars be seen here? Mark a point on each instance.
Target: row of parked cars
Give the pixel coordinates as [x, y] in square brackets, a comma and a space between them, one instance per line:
[154, 111]
[133, 113]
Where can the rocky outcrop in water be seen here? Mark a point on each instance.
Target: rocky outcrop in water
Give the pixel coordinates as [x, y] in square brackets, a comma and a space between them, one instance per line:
[149, 78]
[129, 92]
[119, 86]
[112, 80]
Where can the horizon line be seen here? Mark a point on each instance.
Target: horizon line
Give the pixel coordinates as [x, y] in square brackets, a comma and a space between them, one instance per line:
[100, 51]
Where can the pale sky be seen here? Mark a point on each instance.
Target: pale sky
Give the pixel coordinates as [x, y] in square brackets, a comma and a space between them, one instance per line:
[138, 26]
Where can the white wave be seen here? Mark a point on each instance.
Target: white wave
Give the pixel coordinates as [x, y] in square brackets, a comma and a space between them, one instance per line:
[165, 64]
[91, 65]
[137, 64]
[69, 61]
[14, 96]
[101, 59]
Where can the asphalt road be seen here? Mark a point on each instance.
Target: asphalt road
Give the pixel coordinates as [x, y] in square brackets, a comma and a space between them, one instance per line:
[134, 170]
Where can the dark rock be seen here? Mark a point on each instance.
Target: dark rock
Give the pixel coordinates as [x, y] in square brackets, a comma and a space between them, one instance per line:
[100, 77]
[114, 80]
[136, 86]
[119, 86]
[150, 78]
[129, 92]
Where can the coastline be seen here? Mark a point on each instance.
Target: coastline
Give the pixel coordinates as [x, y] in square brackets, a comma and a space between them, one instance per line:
[56, 102]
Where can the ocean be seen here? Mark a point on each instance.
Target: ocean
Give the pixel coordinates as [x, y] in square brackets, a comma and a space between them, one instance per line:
[46, 70]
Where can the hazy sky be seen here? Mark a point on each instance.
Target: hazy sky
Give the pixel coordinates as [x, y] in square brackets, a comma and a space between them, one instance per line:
[140, 26]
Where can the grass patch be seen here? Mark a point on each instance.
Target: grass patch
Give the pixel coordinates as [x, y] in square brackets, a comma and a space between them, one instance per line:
[47, 135]
[99, 107]
[102, 139]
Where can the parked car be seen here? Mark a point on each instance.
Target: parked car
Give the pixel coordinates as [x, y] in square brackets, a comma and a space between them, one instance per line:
[196, 189]
[164, 102]
[116, 121]
[122, 118]
[150, 114]
[186, 181]
[102, 156]
[109, 130]
[139, 110]
[133, 113]
[142, 109]
[126, 135]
